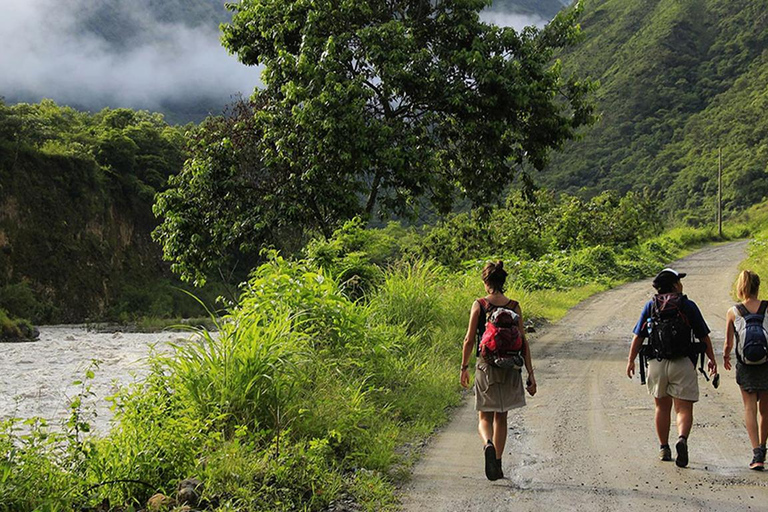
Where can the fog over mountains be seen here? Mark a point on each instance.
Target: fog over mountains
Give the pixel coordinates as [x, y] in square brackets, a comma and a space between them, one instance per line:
[145, 54]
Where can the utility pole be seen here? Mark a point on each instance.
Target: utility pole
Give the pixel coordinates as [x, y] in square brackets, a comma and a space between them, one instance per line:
[720, 192]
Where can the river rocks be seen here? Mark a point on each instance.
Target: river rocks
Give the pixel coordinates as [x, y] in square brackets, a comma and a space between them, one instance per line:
[18, 332]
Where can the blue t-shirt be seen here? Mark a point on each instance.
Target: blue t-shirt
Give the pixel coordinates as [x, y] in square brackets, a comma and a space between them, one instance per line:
[691, 312]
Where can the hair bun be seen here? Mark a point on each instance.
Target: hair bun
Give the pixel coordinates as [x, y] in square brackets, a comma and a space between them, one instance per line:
[500, 265]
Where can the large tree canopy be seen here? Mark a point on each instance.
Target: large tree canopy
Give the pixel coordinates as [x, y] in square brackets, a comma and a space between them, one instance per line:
[369, 106]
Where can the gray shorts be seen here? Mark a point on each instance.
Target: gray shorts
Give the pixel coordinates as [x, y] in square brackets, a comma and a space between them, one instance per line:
[673, 377]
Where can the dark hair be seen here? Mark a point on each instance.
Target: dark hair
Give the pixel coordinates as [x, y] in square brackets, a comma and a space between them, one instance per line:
[494, 275]
[666, 286]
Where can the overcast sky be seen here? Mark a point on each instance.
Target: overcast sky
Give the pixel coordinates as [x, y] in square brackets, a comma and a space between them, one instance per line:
[44, 56]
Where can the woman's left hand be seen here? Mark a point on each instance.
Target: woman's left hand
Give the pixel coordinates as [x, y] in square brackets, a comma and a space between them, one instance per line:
[465, 378]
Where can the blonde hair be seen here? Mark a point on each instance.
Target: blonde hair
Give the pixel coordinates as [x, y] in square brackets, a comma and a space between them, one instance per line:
[748, 285]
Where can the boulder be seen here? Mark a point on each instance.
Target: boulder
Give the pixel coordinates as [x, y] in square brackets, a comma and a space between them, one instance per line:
[160, 502]
[189, 492]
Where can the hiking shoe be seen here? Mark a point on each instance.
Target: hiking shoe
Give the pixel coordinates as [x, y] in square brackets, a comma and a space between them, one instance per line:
[491, 472]
[500, 471]
[682, 452]
[665, 453]
[758, 460]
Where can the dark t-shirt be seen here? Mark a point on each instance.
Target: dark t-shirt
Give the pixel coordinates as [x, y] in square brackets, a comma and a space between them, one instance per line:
[691, 312]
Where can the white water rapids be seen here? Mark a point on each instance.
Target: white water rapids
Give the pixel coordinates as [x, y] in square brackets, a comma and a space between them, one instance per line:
[36, 378]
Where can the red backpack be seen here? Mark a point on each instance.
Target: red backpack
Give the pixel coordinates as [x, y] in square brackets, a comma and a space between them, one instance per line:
[501, 342]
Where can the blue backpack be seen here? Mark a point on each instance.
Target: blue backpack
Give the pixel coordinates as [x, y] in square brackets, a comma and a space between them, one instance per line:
[752, 340]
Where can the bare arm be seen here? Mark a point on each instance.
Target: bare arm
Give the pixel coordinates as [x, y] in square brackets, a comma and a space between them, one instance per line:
[531, 381]
[634, 349]
[469, 343]
[728, 345]
[712, 364]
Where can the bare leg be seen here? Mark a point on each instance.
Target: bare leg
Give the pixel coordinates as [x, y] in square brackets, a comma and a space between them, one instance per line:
[684, 410]
[499, 432]
[762, 402]
[663, 417]
[750, 416]
[485, 426]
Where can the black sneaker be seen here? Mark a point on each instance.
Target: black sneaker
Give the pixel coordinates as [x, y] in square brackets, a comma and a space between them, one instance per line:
[665, 453]
[758, 460]
[682, 452]
[491, 472]
[499, 470]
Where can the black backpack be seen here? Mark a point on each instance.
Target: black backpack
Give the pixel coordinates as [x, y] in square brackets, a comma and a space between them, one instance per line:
[669, 333]
[751, 342]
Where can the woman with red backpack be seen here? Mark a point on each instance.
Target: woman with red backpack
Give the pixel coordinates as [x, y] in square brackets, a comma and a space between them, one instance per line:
[745, 323]
[496, 332]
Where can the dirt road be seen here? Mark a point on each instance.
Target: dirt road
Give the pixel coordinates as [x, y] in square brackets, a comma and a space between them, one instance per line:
[586, 441]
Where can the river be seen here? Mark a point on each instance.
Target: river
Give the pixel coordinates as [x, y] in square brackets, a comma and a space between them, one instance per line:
[36, 379]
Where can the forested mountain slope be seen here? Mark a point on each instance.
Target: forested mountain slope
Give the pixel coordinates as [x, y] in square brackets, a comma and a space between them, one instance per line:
[679, 79]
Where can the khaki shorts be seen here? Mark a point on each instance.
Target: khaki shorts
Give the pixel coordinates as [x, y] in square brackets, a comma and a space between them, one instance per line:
[673, 377]
[497, 389]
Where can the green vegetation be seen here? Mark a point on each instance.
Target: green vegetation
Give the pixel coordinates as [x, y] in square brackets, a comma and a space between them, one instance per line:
[75, 214]
[15, 329]
[757, 253]
[368, 108]
[678, 80]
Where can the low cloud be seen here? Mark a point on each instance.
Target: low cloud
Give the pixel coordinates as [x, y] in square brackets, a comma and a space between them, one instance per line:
[46, 54]
[516, 21]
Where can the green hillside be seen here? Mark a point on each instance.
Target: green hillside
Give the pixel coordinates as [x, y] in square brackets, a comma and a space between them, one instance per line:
[678, 80]
[76, 194]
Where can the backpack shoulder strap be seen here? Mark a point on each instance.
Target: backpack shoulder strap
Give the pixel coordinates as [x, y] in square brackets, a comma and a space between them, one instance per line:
[483, 304]
[655, 306]
[512, 304]
[763, 307]
[743, 311]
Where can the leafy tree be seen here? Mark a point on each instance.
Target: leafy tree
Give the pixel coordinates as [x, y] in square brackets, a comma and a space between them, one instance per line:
[226, 202]
[370, 106]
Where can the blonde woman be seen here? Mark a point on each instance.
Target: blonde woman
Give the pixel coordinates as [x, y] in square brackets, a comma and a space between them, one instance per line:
[745, 330]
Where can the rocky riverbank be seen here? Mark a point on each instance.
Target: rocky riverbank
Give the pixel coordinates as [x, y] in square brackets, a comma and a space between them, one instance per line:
[16, 330]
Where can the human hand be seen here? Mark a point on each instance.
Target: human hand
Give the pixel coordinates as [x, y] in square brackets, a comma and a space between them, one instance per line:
[464, 378]
[631, 368]
[727, 361]
[530, 385]
[712, 367]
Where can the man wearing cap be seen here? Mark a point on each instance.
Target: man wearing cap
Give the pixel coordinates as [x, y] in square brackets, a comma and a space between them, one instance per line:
[673, 380]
